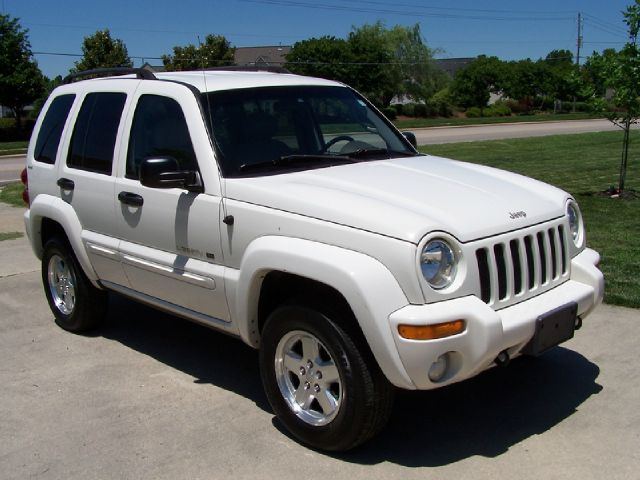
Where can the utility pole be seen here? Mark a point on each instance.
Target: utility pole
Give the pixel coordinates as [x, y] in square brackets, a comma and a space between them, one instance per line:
[578, 46]
[579, 39]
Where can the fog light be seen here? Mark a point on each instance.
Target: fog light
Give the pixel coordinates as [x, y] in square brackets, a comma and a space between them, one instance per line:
[439, 368]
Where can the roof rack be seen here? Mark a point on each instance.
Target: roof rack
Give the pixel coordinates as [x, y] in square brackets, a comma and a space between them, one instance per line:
[141, 73]
[250, 68]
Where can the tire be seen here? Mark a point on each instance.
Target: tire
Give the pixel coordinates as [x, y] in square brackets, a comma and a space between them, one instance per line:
[324, 388]
[77, 305]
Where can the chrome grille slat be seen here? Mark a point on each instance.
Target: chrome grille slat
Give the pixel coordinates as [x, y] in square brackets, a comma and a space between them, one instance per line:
[522, 264]
[536, 261]
[493, 275]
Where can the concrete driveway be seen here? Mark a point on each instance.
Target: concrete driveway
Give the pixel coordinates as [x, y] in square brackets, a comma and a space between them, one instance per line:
[10, 168]
[151, 396]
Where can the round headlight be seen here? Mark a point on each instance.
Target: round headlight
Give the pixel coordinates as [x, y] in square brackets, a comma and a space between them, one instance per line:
[575, 223]
[438, 264]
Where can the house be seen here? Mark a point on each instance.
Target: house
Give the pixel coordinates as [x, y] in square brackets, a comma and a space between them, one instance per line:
[262, 56]
[452, 65]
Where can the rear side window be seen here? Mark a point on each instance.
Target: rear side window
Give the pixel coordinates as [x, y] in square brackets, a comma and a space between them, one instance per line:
[94, 134]
[51, 129]
[159, 130]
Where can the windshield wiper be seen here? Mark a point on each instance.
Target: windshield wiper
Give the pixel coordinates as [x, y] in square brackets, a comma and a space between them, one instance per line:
[288, 160]
[305, 157]
[365, 152]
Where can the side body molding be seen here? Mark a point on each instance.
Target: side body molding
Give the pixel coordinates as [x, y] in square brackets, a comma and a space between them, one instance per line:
[367, 285]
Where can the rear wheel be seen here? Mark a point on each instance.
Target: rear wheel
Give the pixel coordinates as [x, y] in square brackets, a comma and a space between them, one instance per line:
[76, 304]
[319, 381]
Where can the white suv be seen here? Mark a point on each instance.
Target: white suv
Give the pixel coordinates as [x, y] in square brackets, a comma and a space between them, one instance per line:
[287, 211]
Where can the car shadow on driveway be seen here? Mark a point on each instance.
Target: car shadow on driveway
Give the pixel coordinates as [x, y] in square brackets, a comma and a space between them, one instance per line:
[483, 416]
[209, 356]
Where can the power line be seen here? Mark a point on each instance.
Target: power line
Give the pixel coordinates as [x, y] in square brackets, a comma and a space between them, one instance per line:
[326, 6]
[479, 10]
[604, 23]
[142, 30]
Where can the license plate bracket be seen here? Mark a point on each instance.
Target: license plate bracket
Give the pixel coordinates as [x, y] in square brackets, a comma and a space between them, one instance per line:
[553, 328]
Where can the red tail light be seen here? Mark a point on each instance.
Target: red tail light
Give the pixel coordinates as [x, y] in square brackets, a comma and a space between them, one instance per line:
[25, 181]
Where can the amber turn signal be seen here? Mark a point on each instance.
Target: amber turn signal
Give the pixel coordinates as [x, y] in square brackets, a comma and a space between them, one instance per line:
[432, 332]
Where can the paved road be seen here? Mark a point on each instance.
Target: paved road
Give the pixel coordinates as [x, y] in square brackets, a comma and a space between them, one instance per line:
[429, 136]
[10, 168]
[150, 396]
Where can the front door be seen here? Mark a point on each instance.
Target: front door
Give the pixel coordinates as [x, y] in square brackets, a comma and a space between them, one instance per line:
[170, 238]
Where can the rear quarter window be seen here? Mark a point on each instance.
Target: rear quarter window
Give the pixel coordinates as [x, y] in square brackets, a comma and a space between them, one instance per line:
[51, 129]
[95, 131]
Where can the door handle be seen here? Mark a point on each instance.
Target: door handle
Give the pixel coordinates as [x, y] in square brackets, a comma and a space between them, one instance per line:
[132, 199]
[65, 184]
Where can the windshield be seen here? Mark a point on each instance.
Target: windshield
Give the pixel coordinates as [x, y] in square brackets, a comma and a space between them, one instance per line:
[277, 129]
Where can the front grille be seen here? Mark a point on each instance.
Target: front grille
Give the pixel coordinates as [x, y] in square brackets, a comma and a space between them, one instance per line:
[520, 265]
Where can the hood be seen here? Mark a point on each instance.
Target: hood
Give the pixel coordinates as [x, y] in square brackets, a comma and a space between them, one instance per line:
[407, 198]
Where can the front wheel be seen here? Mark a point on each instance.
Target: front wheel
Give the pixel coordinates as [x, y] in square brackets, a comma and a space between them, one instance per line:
[76, 304]
[321, 385]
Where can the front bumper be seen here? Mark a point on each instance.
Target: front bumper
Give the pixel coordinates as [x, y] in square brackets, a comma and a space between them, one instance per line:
[488, 331]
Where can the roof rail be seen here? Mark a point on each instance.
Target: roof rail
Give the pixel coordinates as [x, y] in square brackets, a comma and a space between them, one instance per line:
[250, 68]
[141, 73]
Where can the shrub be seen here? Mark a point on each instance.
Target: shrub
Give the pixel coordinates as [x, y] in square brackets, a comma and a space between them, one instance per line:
[408, 109]
[440, 104]
[390, 113]
[473, 112]
[498, 109]
[420, 110]
[9, 132]
[517, 107]
[398, 108]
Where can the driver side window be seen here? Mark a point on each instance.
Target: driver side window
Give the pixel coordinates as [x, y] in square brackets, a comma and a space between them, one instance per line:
[159, 129]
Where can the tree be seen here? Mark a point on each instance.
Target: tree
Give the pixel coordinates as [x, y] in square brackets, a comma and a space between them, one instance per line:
[379, 62]
[216, 51]
[21, 81]
[564, 78]
[559, 58]
[595, 72]
[414, 71]
[101, 51]
[324, 57]
[527, 81]
[623, 73]
[373, 68]
[474, 84]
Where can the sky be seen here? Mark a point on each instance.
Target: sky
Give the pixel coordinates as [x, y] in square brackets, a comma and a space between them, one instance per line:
[508, 29]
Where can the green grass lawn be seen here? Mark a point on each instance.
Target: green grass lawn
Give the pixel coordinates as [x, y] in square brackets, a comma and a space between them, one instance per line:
[582, 165]
[12, 194]
[13, 148]
[10, 236]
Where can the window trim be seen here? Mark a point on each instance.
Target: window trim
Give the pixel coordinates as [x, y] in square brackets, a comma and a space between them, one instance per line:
[118, 128]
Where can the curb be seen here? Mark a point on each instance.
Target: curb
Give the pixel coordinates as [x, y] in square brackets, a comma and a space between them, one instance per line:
[475, 125]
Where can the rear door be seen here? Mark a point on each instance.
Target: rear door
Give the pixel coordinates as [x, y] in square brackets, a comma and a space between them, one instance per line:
[86, 178]
[170, 238]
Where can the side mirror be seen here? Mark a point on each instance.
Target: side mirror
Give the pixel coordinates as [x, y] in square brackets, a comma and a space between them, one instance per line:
[411, 137]
[164, 172]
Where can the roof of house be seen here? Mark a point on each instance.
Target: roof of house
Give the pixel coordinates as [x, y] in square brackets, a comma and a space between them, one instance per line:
[262, 56]
[452, 65]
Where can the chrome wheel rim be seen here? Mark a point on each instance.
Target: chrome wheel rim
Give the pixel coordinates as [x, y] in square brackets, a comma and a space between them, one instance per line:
[308, 378]
[62, 284]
